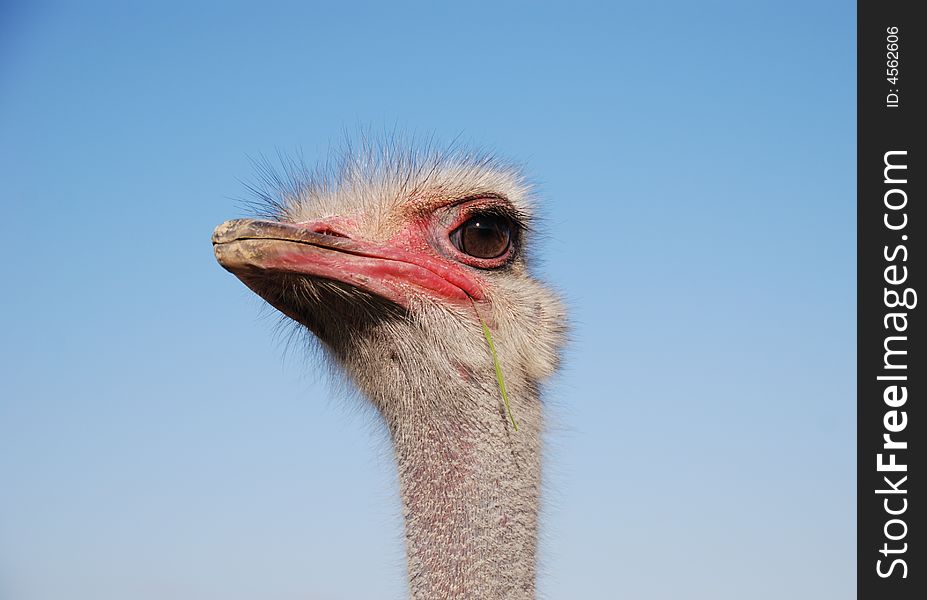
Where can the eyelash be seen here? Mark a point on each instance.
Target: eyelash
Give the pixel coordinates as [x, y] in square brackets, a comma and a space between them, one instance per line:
[519, 223]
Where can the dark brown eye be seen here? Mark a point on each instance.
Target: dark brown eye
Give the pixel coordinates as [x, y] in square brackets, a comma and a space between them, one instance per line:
[483, 236]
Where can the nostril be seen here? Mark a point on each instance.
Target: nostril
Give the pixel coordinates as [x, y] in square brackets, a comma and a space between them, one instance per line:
[324, 229]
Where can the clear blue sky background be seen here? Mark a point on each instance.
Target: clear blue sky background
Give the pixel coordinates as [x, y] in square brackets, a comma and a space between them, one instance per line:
[697, 163]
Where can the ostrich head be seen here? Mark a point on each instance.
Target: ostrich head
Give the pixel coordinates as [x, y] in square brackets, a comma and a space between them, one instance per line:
[396, 262]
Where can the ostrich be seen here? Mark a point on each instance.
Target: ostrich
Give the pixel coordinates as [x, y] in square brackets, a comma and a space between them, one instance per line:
[412, 270]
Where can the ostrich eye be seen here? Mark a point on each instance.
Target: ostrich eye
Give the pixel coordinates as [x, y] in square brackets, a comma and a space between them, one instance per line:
[483, 236]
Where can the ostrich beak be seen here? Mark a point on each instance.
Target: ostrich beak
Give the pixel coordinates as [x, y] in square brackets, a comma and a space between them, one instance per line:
[397, 270]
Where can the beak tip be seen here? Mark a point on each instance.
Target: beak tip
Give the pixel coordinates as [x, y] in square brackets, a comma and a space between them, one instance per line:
[224, 232]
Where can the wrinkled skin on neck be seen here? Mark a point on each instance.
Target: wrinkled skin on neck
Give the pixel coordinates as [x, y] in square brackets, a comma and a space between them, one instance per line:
[469, 482]
[470, 489]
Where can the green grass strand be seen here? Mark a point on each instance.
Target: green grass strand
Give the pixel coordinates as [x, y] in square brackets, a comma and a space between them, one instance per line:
[499, 376]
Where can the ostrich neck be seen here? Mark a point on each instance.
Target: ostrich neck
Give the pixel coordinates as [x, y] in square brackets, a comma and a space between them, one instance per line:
[470, 488]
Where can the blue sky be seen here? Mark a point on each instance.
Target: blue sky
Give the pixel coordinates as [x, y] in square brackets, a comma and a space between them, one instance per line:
[696, 162]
